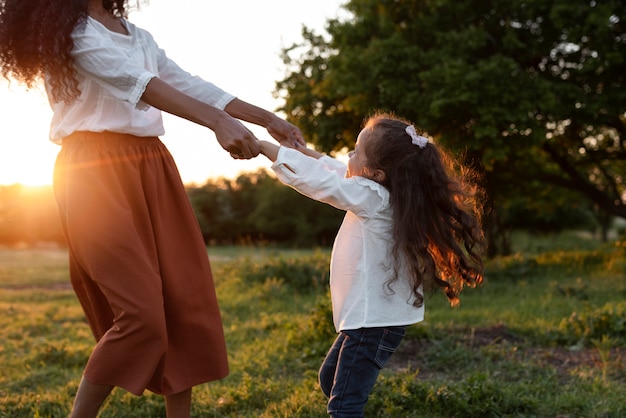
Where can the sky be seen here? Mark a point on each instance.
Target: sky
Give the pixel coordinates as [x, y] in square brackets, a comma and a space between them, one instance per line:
[235, 44]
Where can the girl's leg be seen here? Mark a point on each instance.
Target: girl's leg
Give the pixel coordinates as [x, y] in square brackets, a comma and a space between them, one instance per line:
[89, 399]
[363, 353]
[178, 405]
[326, 373]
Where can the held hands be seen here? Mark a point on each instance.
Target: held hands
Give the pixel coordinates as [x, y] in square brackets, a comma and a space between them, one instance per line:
[235, 138]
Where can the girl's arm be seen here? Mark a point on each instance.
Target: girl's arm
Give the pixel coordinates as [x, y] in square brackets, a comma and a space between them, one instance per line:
[270, 150]
[321, 180]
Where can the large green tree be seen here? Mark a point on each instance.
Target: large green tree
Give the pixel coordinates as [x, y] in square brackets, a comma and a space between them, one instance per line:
[532, 92]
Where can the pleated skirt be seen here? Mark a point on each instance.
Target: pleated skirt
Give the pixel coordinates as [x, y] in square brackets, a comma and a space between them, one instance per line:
[138, 265]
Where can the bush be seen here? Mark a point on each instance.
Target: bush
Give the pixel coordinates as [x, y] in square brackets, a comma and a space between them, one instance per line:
[313, 338]
[511, 267]
[606, 322]
[302, 274]
[610, 258]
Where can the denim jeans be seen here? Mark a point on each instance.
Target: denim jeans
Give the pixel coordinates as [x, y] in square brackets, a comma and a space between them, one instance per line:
[349, 372]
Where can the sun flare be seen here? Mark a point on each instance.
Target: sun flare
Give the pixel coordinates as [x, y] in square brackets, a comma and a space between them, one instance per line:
[26, 155]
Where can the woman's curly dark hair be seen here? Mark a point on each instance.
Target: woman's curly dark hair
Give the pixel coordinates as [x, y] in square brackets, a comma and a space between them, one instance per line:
[436, 209]
[35, 40]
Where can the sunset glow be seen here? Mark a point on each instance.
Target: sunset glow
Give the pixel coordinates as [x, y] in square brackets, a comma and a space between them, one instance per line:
[26, 156]
[214, 42]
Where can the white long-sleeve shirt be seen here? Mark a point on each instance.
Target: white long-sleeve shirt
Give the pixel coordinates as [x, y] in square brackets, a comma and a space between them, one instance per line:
[361, 261]
[113, 71]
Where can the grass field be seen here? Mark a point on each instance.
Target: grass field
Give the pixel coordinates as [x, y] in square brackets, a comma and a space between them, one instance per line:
[544, 337]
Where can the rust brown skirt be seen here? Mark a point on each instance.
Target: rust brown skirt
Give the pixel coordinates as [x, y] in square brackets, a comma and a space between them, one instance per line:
[138, 265]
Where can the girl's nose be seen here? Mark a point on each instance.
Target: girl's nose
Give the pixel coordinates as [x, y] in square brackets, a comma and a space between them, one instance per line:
[350, 154]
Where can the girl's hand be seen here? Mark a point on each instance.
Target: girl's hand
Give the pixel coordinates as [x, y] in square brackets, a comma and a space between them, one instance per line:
[308, 151]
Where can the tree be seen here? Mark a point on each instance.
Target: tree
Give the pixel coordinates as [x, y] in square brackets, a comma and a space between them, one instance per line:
[532, 92]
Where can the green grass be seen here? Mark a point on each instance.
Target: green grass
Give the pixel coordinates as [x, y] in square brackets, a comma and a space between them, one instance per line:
[543, 337]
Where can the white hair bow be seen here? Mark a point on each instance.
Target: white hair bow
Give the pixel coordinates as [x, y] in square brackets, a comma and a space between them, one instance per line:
[416, 139]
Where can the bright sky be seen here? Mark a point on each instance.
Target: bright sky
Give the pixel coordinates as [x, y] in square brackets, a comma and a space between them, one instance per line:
[235, 44]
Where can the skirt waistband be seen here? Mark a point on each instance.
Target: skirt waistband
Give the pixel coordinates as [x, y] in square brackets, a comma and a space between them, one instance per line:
[112, 138]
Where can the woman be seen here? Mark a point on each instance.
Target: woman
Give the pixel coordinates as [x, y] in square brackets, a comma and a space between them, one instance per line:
[138, 263]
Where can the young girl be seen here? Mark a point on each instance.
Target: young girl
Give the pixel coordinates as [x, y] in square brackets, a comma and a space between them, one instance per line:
[409, 224]
[138, 263]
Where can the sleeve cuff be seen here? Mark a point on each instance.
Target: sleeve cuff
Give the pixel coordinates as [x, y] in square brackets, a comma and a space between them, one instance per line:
[140, 87]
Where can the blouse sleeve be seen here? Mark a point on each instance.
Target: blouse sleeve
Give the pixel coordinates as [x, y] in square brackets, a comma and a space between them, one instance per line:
[323, 180]
[98, 58]
[191, 85]
[125, 73]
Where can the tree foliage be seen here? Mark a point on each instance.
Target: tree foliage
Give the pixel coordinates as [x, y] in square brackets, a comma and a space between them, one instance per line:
[532, 92]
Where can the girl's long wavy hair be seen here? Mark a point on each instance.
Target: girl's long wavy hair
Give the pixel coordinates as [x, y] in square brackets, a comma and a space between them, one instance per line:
[35, 39]
[436, 211]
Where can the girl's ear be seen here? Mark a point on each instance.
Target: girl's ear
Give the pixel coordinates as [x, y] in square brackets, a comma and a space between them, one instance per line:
[378, 176]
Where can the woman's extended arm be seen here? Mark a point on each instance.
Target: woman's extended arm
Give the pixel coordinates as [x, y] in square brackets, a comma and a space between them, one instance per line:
[231, 134]
[284, 132]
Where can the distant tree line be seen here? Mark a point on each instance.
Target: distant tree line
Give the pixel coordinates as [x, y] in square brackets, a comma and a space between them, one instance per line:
[255, 208]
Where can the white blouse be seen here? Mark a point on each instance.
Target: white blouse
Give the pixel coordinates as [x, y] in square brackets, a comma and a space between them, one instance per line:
[113, 71]
[361, 262]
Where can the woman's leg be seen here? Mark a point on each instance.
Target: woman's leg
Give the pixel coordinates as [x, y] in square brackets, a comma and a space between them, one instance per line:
[89, 399]
[178, 405]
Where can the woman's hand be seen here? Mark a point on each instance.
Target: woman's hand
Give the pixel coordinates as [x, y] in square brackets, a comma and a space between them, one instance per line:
[282, 131]
[285, 133]
[235, 138]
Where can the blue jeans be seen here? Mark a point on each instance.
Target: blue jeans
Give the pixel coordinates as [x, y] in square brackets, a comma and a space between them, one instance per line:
[349, 372]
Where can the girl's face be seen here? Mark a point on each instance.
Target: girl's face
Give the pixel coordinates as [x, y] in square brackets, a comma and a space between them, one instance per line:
[357, 164]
